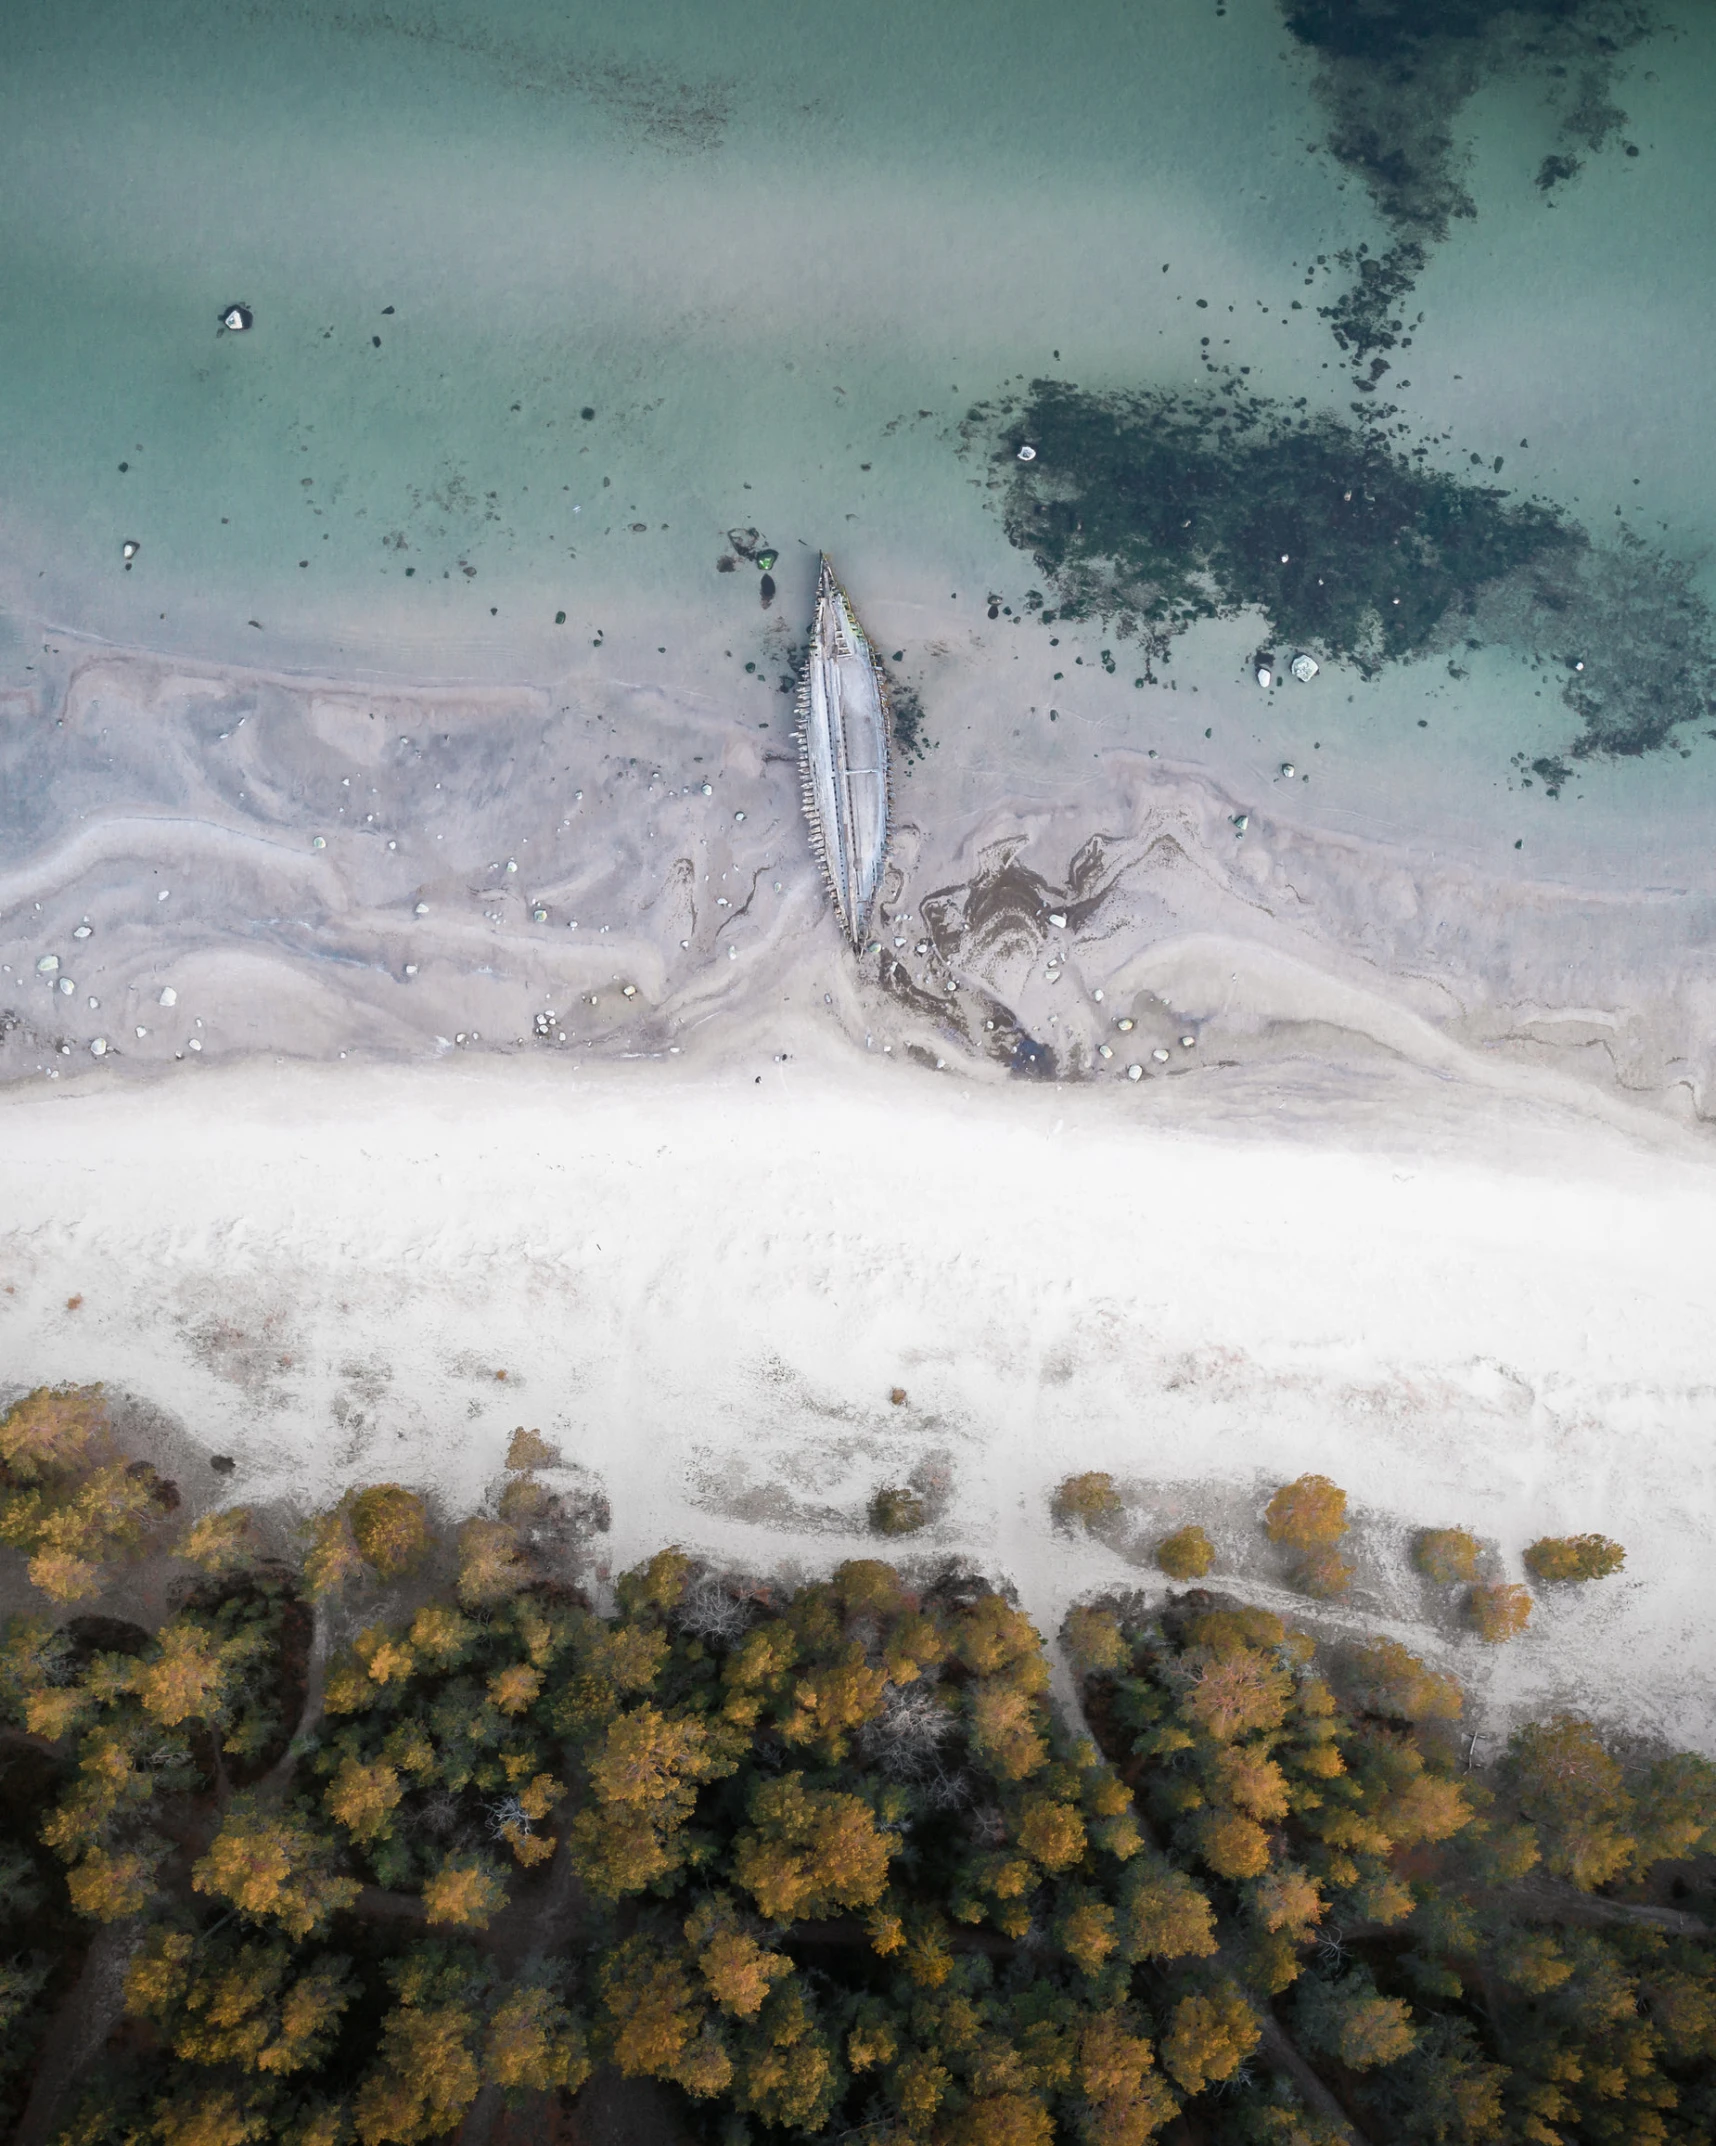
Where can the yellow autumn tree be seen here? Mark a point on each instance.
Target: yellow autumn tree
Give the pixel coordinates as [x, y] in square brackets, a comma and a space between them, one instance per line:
[809, 1851]
[390, 1526]
[533, 2042]
[1210, 2035]
[274, 1867]
[466, 1893]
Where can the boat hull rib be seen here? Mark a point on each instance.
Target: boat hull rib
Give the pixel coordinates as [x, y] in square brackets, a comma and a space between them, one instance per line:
[843, 725]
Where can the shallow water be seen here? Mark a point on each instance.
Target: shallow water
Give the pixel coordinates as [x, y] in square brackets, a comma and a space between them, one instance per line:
[779, 257]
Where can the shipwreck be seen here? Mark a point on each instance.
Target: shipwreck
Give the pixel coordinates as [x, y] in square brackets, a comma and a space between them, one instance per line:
[844, 718]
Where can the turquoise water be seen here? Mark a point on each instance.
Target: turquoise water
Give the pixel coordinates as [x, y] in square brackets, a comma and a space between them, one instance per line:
[778, 254]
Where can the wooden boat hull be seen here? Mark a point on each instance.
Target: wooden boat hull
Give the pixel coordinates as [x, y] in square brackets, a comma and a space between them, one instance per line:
[844, 719]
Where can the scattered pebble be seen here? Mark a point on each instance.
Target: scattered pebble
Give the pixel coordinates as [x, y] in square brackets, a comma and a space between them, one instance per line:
[1288, 770]
[630, 990]
[1125, 1024]
[422, 909]
[47, 964]
[196, 1043]
[541, 915]
[1241, 821]
[738, 815]
[1134, 1072]
[67, 986]
[1105, 1050]
[98, 1049]
[318, 841]
[1160, 1056]
[1057, 920]
[83, 931]
[1097, 995]
[169, 997]
[1027, 454]
[1188, 1043]
[708, 790]
[142, 1032]
[411, 968]
[162, 895]
[1305, 668]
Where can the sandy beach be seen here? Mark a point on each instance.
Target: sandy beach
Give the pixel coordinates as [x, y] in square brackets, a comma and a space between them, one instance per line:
[703, 1289]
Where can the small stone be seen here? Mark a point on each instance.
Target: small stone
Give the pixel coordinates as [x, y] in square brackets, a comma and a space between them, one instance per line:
[162, 896]
[1188, 1043]
[83, 931]
[1134, 1072]
[540, 915]
[1160, 1056]
[318, 841]
[1057, 920]
[738, 815]
[1125, 1024]
[196, 1043]
[411, 968]
[47, 964]
[1027, 454]
[98, 1049]
[628, 991]
[1288, 770]
[1241, 821]
[512, 864]
[67, 987]
[142, 1032]
[708, 790]
[1305, 668]
[1265, 676]
[222, 1463]
[169, 997]
[1097, 995]
[422, 910]
[1105, 1050]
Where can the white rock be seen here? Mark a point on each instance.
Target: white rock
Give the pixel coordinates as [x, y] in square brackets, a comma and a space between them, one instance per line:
[1160, 1056]
[142, 1031]
[1288, 770]
[738, 816]
[1105, 1050]
[628, 991]
[1241, 821]
[411, 968]
[196, 1043]
[708, 790]
[47, 964]
[1265, 676]
[169, 997]
[512, 864]
[1125, 1025]
[67, 986]
[1305, 668]
[98, 1049]
[83, 931]
[1097, 995]
[1027, 454]
[1188, 1043]
[541, 915]
[318, 841]
[162, 896]
[1134, 1072]
[1059, 922]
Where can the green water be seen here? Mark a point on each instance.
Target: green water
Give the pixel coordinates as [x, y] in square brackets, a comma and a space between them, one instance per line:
[778, 253]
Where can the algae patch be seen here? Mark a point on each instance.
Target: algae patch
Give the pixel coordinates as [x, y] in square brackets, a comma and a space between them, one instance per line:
[1154, 508]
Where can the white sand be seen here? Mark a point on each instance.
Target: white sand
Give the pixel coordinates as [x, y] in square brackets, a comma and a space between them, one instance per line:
[703, 1287]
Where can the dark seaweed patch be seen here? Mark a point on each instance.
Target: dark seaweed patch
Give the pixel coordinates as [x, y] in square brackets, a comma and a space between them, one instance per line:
[1393, 76]
[1154, 509]
[906, 711]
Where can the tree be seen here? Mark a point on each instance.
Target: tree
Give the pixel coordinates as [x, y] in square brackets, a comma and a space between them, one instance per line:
[1128, 2099]
[1164, 1916]
[529, 1449]
[467, 1893]
[656, 2019]
[1573, 1791]
[1348, 2019]
[426, 2073]
[1386, 1679]
[390, 1526]
[1187, 1554]
[1568, 1559]
[534, 2043]
[1092, 1638]
[222, 1542]
[274, 1867]
[1449, 1556]
[897, 1509]
[738, 1971]
[363, 1798]
[1309, 1513]
[1210, 2035]
[1499, 1611]
[1006, 1730]
[1089, 1499]
[491, 1565]
[216, 2002]
[808, 1851]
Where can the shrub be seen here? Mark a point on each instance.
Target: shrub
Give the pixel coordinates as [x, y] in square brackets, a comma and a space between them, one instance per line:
[1187, 1554]
[1309, 1514]
[1325, 1574]
[1089, 1498]
[896, 1509]
[1386, 1679]
[1574, 1557]
[1499, 1611]
[390, 1525]
[1449, 1556]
